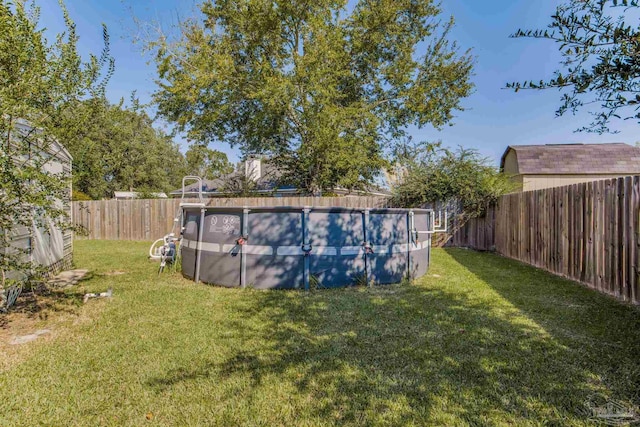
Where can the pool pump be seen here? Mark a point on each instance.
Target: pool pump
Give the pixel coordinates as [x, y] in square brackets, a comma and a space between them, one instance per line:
[165, 253]
[168, 249]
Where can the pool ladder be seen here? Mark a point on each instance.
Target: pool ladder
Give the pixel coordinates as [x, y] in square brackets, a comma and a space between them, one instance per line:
[161, 247]
[200, 203]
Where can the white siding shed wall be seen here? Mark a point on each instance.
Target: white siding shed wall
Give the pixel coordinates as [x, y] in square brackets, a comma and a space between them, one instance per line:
[49, 246]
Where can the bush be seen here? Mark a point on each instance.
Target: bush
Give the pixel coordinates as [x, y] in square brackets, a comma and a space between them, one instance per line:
[79, 196]
[461, 181]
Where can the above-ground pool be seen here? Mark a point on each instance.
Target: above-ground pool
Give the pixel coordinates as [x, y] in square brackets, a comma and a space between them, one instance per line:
[301, 248]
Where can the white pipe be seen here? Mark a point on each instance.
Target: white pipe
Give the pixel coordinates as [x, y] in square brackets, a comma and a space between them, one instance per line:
[151, 254]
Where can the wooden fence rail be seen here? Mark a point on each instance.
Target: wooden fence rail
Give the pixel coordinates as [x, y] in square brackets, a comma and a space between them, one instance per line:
[152, 219]
[587, 232]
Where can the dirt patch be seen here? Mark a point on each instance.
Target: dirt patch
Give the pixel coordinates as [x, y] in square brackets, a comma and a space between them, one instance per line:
[30, 316]
[42, 304]
[69, 278]
[23, 339]
[114, 273]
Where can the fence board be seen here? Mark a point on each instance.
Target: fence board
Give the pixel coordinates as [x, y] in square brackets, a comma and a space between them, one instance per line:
[597, 238]
[588, 232]
[635, 238]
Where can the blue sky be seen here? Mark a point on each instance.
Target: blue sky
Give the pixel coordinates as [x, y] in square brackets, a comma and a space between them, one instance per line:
[494, 117]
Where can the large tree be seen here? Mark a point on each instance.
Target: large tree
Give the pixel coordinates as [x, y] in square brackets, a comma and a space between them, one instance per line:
[600, 45]
[41, 85]
[121, 150]
[207, 163]
[321, 86]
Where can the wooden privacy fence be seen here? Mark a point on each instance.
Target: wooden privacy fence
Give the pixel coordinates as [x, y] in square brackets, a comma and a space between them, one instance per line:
[476, 233]
[587, 232]
[152, 219]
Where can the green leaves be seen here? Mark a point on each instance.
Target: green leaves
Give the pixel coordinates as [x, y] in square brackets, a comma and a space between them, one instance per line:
[460, 179]
[600, 43]
[120, 150]
[41, 85]
[207, 163]
[322, 90]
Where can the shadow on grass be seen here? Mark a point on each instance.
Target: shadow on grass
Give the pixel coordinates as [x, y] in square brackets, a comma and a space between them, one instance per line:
[461, 351]
[42, 299]
[604, 332]
[45, 301]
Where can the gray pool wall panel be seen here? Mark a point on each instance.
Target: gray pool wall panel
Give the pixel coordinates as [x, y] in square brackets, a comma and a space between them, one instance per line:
[274, 255]
[221, 258]
[388, 234]
[421, 246]
[273, 251]
[189, 244]
[337, 258]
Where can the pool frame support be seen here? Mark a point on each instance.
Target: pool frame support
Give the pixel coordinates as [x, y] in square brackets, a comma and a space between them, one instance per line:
[305, 242]
[410, 227]
[199, 246]
[243, 253]
[367, 267]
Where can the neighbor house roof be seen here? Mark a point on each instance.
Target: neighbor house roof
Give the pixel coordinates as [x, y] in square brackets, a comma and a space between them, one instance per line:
[265, 182]
[575, 159]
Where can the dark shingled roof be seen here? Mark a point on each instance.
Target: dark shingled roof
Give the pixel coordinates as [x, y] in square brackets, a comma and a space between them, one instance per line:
[616, 158]
[266, 181]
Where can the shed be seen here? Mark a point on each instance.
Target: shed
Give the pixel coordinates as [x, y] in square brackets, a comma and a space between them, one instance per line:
[535, 167]
[48, 246]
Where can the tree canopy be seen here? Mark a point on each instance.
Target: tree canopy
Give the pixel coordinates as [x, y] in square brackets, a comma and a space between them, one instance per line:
[600, 45]
[120, 150]
[207, 163]
[321, 87]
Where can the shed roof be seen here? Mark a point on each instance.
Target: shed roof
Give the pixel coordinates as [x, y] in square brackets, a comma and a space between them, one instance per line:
[55, 148]
[576, 159]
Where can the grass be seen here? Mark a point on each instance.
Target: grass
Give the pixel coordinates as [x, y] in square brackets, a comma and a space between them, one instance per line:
[481, 340]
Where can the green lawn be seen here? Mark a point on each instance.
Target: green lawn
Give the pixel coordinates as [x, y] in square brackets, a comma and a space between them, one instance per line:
[481, 340]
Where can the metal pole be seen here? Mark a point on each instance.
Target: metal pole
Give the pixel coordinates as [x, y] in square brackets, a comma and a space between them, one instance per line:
[432, 214]
[410, 226]
[367, 266]
[305, 242]
[199, 246]
[243, 254]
